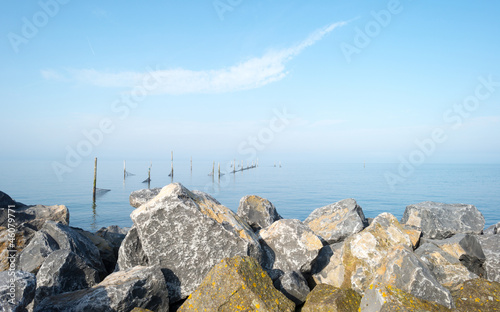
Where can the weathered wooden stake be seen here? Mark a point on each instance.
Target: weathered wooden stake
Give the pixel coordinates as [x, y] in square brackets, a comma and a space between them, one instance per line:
[213, 169]
[219, 169]
[95, 180]
[172, 163]
[124, 169]
[191, 164]
[234, 166]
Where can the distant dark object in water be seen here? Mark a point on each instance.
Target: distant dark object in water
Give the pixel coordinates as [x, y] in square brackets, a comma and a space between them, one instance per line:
[147, 180]
[129, 174]
[170, 174]
[100, 191]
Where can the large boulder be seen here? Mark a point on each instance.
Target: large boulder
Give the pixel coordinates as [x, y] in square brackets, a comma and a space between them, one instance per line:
[17, 290]
[258, 212]
[354, 262]
[12, 241]
[329, 298]
[289, 245]
[439, 221]
[106, 250]
[237, 284]
[140, 197]
[31, 258]
[337, 221]
[490, 245]
[477, 295]
[186, 233]
[142, 287]
[131, 252]
[447, 269]
[63, 271]
[294, 286]
[493, 229]
[387, 298]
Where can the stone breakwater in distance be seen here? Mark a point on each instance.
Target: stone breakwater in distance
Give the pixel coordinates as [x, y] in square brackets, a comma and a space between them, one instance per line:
[187, 252]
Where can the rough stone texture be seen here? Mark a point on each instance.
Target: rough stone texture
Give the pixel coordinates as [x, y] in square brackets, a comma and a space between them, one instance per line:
[465, 248]
[329, 298]
[414, 233]
[106, 250]
[478, 295]
[140, 197]
[494, 229]
[337, 221]
[289, 245]
[491, 248]
[140, 310]
[63, 271]
[383, 298]
[114, 235]
[237, 284]
[21, 235]
[187, 233]
[32, 256]
[447, 269]
[403, 270]
[439, 221]
[354, 263]
[23, 290]
[35, 215]
[258, 212]
[294, 286]
[142, 287]
[131, 253]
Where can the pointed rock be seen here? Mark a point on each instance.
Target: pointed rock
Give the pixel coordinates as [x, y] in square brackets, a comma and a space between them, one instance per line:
[258, 212]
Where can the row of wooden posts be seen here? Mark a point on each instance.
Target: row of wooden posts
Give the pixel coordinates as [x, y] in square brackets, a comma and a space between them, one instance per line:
[171, 174]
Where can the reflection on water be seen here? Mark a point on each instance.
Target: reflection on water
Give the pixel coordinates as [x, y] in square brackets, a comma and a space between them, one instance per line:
[93, 224]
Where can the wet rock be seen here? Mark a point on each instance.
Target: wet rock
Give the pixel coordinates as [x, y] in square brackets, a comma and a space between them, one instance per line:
[494, 229]
[354, 263]
[447, 269]
[439, 221]
[32, 256]
[63, 271]
[491, 247]
[142, 287]
[237, 284]
[329, 298]
[478, 295]
[383, 298]
[294, 286]
[403, 270]
[140, 197]
[187, 233]
[131, 253]
[17, 290]
[258, 212]
[337, 221]
[289, 245]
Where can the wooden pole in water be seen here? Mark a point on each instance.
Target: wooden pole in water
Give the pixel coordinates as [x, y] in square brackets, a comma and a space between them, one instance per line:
[234, 166]
[213, 169]
[95, 180]
[172, 163]
[218, 164]
[124, 169]
[191, 164]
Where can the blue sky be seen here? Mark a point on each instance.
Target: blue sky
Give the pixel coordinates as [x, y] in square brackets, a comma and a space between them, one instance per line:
[355, 80]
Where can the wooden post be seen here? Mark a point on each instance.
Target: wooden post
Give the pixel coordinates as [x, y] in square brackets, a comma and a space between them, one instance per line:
[124, 169]
[172, 164]
[191, 164]
[218, 164]
[213, 169]
[95, 180]
[234, 166]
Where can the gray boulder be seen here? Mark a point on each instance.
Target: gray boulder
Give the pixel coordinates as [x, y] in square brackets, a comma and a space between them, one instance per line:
[142, 287]
[494, 229]
[258, 212]
[186, 233]
[289, 245]
[32, 256]
[106, 250]
[294, 286]
[337, 221]
[491, 248]
[131, 253]
[439, 221]
[17, 290]
[140, 197]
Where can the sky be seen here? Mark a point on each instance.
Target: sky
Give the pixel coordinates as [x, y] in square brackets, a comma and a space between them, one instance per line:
[322, 80]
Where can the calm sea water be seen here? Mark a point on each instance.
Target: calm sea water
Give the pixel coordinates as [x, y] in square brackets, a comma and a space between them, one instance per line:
[296, 189]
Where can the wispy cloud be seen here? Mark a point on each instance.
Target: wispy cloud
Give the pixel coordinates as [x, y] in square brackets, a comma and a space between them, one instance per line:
[253, 73]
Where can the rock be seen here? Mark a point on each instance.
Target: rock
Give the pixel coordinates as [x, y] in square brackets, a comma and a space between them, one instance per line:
[258, 212]
[494, 229]
[140, 310]
[114, 235]
[329, 298]
[63, 271]
[106, 250]
[354, 263]
[294, 286]
[131, 253]
[403, 270]
[35, 215]
[414, 233]
[439, 221]
[12, 242]
[289, 245]
[32, 256]
[236, 284]
[491, 247]
[140, 197]
[187, 233]
[337, 221]
[385, 298]
[17, 290]
[465, 248]
[477, 295]
[447, 269]
[142, 287]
